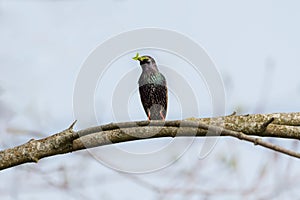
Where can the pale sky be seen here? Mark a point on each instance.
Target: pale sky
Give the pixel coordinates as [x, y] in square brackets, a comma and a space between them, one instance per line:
[254, 44]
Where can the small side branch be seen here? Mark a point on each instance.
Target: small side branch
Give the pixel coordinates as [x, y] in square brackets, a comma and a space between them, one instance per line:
[34, 150]
[260, 142]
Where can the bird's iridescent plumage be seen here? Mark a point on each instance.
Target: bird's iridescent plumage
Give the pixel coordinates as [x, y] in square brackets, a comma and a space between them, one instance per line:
[153, 89]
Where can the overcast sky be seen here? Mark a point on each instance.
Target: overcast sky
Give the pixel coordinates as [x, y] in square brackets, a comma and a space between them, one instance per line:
[254, 44]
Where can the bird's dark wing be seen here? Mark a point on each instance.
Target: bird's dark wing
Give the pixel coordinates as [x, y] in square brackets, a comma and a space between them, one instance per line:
[146, 102]
[162, 98]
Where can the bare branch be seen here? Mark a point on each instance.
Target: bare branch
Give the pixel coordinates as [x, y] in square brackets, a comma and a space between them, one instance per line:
[282, 125]
[34, 150]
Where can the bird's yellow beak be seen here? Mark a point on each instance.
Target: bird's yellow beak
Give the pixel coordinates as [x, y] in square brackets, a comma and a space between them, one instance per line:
[139, 58]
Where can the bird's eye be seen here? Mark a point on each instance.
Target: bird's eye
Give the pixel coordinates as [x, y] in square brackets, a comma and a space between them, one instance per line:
[145, 59]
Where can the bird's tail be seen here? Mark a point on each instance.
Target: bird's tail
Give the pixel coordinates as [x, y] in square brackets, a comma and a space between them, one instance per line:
[157, 112]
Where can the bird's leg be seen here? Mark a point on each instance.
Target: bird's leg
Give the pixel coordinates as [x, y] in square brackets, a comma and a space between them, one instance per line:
[162, 116]
[149, 114]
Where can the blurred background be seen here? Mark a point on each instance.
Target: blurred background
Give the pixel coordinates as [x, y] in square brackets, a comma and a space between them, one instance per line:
[43, 44]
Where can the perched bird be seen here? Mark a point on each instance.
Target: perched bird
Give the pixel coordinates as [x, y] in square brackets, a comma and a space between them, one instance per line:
[153, 89]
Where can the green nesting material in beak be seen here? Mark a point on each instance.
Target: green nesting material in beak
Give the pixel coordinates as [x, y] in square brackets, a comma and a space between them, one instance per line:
[140, 58]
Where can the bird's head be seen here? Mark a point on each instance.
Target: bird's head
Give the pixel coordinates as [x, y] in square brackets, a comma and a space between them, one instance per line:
[145, 61]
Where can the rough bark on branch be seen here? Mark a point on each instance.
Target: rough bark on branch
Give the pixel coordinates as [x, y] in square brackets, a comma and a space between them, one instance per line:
[244, 127]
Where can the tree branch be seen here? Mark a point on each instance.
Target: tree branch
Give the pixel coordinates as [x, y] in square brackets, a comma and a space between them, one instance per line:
[244, 127]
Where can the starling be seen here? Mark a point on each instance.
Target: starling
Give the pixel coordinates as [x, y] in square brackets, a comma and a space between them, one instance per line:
[153, 89]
